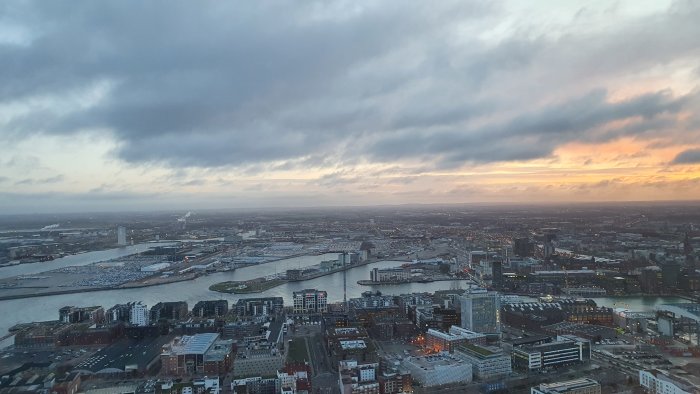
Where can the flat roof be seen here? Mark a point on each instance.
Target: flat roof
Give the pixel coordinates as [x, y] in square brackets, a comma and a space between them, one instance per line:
[356, 344]
[126, 354]
[567, 386]
[193, 344]
[530, 339]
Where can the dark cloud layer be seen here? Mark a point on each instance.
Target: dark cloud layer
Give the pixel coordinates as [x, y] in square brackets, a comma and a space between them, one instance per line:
[690, 156]
[215, 84]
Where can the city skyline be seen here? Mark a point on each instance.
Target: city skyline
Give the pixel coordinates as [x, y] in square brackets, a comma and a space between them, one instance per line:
[126, 106]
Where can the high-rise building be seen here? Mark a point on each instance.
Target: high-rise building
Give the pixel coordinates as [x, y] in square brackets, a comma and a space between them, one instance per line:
[578, 386]
[670, 273]
[139, 315]
[310, 301]
[481, 312]
[497, 274]
[523, 247]
[121, 236]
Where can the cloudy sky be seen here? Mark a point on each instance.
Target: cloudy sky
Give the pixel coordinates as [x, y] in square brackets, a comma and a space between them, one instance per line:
[207, 104]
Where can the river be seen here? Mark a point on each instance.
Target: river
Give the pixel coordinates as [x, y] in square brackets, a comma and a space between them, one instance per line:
[46, 308]
[78, 259]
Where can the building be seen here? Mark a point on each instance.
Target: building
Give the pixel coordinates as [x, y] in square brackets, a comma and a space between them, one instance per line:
[257, 360]
[651, 280]
[390, 275]
[214, 308]
[630, 321]
[523, 247]
[481, 312]
[356, 378]
[261, 306]
[497, 275]
[72, 314]
[565, 351]
[67, 384]
[655, 381]
[197, 354]
[127, 356]
[578, 386]
[119, 313]
[310, 301]
[121, 236]
[138, 315]
[487, 362]
[584, 291]
[438, 369]
[439, 341]
[295, 378]
[395, 382]
[175, 310]
[256, 385]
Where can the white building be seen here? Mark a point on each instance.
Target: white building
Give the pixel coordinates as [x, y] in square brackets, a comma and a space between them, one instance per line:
[658, 382]
[138, 315]
[310, 301]
[566, 350]
[438, 369]
[121, 236]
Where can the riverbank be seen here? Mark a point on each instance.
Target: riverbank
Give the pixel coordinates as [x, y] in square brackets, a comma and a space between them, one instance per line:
[401, 282]
[130, 285]
[52, 284]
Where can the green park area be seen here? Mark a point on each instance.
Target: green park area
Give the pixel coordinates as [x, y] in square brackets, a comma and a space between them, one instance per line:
[297, 351]
[245, 287]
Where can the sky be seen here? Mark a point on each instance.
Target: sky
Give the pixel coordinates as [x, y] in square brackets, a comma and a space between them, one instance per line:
[131, 105]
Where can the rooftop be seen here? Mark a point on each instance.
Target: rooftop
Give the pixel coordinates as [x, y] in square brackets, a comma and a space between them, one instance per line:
[357, 344]
[192, 344]
[567, 386]
[481, 351]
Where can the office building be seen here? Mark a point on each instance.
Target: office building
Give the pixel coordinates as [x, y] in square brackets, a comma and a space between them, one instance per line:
[523, 247]
[565, 351]
[438, 369]
[578, 386]
[481, 312]
[310, 301]
[497, 275]
[487, 362]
